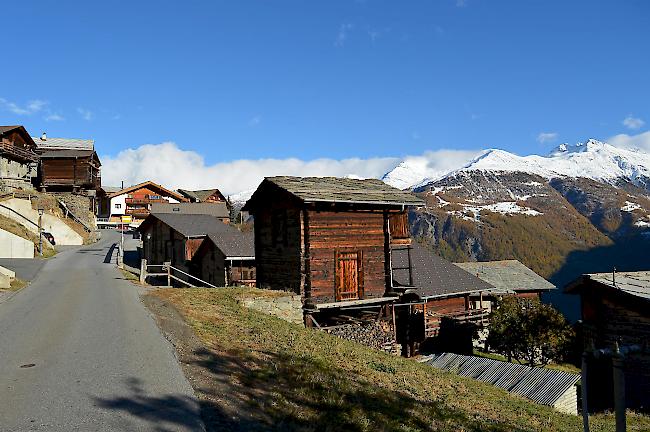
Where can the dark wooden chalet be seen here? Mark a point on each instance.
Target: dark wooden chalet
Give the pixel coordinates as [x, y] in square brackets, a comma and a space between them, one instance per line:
[226, 258]
[18, 159]
[616, 312]
[203, 196]
[68, 165]
[329, 239]
[444, 304]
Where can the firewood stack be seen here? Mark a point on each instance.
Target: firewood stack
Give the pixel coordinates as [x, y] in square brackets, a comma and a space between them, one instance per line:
[374, 334]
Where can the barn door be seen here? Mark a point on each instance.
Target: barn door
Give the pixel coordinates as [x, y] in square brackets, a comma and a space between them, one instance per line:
[349, 276]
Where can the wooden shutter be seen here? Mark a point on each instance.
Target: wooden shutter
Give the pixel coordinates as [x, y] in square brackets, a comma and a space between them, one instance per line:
[349, 276]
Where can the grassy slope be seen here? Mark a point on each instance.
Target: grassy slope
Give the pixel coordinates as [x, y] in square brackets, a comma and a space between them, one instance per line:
[299, 379]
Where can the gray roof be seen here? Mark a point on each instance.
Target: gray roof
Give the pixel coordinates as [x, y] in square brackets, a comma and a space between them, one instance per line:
[544, 386]
[507, 276]
[198, 195]
[66, 153]
[218, 209]
[189, 225]
[434, 276]
[234, 243]
[632, 283]
[344, 190]
[64, 144]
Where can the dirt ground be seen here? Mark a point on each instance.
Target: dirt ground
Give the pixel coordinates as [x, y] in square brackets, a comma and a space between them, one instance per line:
[209, 372]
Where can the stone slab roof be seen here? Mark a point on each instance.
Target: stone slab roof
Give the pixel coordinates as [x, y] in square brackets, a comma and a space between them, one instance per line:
[344, 190]
[633, 283]
[189, 225]
[217, 209]
[434, 276]
[234, 243]
[507, 276]
[64, 144]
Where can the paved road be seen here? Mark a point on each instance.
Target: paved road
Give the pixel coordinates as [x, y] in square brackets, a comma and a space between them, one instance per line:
[79, 352]
[25, 268]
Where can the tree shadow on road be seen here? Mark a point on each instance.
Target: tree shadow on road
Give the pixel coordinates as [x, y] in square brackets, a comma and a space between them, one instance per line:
[167, 412]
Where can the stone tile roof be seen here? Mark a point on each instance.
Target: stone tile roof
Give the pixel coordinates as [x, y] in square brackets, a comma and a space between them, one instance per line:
[633, 283]
[507, 275]
[434, 276]
[64, 144]
[189, 225]
[344, 190]
[216, 209]
[66, 153]
[234, 243]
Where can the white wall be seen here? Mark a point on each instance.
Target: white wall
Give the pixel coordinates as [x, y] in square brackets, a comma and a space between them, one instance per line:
[12, 246]
[121, 200]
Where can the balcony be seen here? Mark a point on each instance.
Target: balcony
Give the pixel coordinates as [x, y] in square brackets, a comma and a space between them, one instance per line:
[139, 212]
[17, 152]
[144, 200]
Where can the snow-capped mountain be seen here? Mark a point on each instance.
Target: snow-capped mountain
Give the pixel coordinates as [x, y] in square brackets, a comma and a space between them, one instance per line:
[593, 159]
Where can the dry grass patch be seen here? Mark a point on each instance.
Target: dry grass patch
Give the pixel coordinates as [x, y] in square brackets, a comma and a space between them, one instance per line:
[293, 378]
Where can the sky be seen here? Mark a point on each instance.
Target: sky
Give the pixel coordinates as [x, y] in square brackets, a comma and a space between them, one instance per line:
[252, 88]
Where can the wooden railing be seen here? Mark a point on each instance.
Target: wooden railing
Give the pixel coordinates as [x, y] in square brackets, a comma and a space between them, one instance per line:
[18, 152]
[171, 273]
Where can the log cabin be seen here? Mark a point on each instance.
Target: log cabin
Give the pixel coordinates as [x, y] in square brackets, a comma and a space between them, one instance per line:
[615, 311]
[136, 201]
[203, 196]
[329, 239]
[446, 304]
[226, 258]
[18, 159]
[175, 238]
[68, 165]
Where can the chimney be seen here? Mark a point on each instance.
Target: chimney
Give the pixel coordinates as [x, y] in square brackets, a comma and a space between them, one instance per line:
[44, 137]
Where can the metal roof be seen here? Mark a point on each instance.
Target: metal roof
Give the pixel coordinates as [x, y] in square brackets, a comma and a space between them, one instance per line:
[234, 243]
[434, 276]
[189, 225]
[64, 143]
[344, 190]
[632, 283]
[217, 209]
[544, 386]
[507, 275]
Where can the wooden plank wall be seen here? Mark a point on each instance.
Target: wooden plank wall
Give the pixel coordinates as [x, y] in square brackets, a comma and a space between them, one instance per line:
[66, 171]
[434, 308]
[345, 231]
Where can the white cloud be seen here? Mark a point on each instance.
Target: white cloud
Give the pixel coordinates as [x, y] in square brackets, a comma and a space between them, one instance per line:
[85, 114]
[545, 137]
[633, 123]
[342, 35]
[640, 141]
[32, 106]
[53, 117]
[255, 121]
[174, 167]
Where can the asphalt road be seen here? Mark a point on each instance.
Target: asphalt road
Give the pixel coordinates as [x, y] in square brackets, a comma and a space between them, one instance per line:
[25, 268]
[79, 352]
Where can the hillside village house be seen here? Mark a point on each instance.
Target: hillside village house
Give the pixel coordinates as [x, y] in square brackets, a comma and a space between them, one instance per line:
[446, 304]
[136, 201]
[329, 239]
[616, 311]
[203, 196]
[226, 258]
[18, 159]
[176, 238]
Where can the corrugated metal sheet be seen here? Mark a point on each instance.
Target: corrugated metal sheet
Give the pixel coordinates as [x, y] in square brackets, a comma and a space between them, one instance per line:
[544, 386]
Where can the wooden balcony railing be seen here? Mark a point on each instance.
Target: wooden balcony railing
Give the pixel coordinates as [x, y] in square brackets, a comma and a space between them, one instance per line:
[18, 152]
[144, 200]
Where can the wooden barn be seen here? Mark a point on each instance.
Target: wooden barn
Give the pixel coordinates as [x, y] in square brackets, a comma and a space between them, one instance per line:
[175, 238]
[616, 312]
[446, 304]
[18, 159]
[203, 196]
[329, 239]
[226, 258]
[69, 165]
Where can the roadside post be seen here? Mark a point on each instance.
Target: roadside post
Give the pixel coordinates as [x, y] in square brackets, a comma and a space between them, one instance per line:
[41, 210]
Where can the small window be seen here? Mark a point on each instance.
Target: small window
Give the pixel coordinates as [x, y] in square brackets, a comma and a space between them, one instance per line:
[118, 206]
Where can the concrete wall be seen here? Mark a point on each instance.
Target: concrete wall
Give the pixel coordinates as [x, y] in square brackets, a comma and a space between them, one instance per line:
[5, 271]
[12, 246]
[63, 234]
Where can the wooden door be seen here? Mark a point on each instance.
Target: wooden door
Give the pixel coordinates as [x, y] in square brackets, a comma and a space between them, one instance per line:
[349, 276]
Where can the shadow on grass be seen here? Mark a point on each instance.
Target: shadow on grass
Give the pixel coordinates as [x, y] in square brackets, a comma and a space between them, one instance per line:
[298, 393]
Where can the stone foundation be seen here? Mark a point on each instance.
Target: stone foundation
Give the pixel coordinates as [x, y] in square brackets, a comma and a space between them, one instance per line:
[288, 308]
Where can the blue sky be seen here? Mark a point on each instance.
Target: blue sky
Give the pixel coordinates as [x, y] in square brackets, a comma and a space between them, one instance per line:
[330, 79]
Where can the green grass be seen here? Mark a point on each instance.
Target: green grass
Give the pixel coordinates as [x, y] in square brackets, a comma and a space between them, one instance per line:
[17, 284]
[300, 379]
